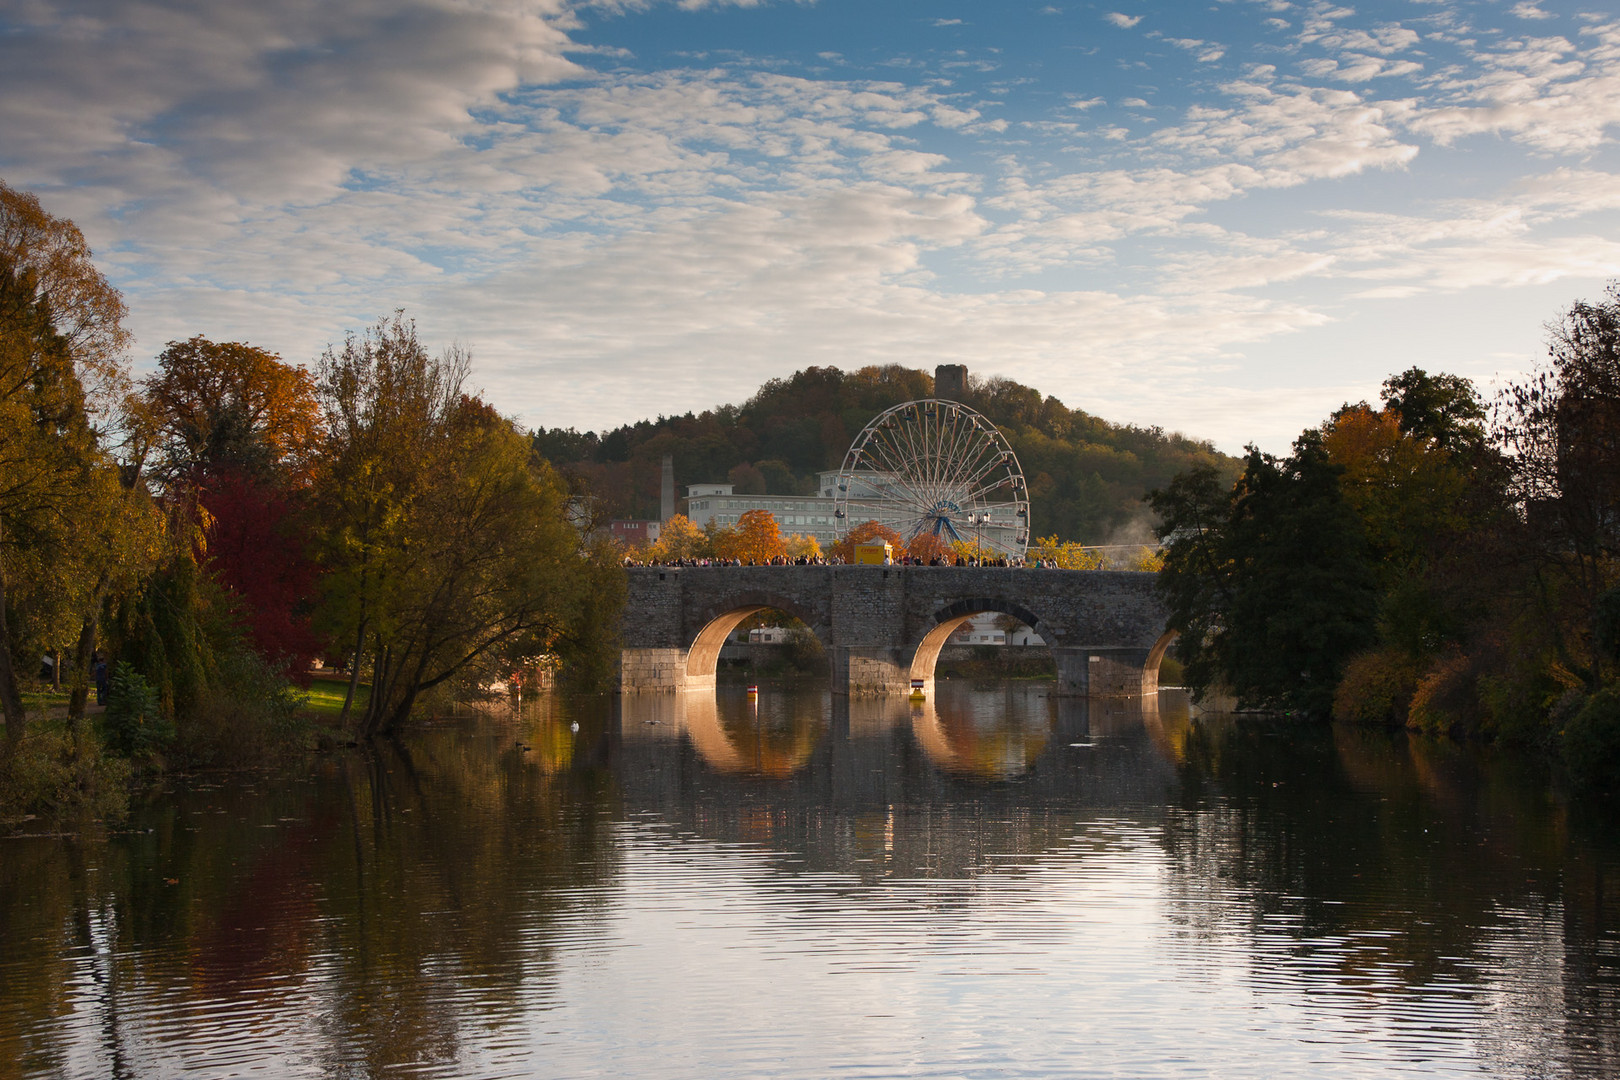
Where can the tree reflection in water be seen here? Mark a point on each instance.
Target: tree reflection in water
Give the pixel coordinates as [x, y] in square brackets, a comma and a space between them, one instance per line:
[428, 904]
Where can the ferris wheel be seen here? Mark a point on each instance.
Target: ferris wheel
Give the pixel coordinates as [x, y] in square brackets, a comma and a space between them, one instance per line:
[936, 467]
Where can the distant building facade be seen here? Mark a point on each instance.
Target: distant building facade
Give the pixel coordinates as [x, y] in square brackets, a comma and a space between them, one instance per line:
[816, 515]
[805, 515]
[635, 532]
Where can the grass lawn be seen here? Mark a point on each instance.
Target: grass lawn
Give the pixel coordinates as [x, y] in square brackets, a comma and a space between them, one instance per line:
[324, 698]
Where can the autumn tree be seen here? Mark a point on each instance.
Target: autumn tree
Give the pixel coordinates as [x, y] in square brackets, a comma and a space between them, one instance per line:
[802, 546]
[926, 547]
[1065, 555]
[228, 405]
[86, 311]
[755, 539]
[443, 533]
[680, 539]
[47, 451]
[234, 431]
[61, 342]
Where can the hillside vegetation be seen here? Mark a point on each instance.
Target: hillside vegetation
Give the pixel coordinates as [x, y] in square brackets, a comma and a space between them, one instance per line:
[1087, 477]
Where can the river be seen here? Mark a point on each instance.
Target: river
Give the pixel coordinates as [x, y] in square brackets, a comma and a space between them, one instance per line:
[997, 883]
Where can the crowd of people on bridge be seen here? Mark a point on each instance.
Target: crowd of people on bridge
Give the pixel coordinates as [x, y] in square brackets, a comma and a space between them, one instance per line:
[835, 560]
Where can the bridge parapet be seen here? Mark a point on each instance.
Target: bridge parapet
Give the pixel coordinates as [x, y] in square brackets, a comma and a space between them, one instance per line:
[883, 626]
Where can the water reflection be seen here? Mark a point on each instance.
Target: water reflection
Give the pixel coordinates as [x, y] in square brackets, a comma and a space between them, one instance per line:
[704, 885]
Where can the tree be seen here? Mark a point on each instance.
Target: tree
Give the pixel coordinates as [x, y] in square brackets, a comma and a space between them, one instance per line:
[77, 532]
[47, 450]
[926, 547]
[444, 534]
[1562, 429]
[756, 539]
[801, 546]
[1066, 556]
[1268, 584]
[680, 539]
[86, 311]
[236, 432]
[227, 405]
[382, 398]
[1444, 408]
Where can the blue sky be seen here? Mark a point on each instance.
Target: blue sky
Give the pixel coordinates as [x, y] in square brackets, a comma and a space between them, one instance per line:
[1224, 218]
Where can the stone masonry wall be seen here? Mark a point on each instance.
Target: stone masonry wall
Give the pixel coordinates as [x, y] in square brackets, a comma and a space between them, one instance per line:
[871, 618]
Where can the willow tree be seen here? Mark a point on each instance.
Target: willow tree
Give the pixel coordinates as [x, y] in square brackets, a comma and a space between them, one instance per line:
[443, 533]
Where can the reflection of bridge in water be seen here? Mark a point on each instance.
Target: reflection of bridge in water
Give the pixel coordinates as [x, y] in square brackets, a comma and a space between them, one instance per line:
[886, 785]
[884, 626]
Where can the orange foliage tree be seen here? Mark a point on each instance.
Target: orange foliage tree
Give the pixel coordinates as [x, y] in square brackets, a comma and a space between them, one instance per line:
[866, 532]
[212, 402]
[756, 538]
[680, 539]
[928, 546]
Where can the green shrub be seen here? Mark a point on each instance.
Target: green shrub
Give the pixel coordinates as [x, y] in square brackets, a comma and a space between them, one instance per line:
[1591, 742]
[245, 715]
[55, 775]
[134, 724]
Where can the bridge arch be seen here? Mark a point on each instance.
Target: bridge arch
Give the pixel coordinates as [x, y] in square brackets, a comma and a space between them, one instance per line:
[950, 618]
[1150, 670]
[721, 618]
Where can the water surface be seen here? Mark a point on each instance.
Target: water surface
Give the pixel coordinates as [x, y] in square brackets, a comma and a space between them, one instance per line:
[998, 883]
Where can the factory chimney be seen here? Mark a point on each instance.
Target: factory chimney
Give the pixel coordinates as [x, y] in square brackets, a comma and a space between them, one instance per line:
[666, 502]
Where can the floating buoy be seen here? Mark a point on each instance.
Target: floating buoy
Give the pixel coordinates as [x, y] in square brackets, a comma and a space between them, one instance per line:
[753, 690]
[917, 690]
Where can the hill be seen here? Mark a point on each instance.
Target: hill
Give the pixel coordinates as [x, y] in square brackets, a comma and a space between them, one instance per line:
[1087, 477]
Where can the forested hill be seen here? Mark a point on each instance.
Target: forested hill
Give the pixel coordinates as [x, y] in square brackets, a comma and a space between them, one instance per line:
[1087, 477]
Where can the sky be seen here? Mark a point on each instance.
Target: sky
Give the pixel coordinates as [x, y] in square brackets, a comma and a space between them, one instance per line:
[1224, 219]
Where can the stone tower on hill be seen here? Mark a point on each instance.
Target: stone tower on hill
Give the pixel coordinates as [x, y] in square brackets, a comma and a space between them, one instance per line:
[950, 382]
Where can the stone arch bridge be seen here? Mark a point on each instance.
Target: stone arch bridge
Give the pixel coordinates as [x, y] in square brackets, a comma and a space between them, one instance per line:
[883, 626]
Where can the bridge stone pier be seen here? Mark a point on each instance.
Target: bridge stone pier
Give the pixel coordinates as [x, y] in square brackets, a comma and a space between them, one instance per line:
[883, 626]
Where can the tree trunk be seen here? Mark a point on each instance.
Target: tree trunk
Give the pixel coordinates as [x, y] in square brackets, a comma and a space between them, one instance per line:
[79, 693]
[10, 696]
[354, 674]
[381, 680]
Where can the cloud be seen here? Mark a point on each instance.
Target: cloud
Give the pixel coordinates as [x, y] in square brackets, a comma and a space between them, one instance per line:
[617, 237]
[1358, 68]
[1547, 93]
[1205, 52]
[1529, 11]
[267, 101]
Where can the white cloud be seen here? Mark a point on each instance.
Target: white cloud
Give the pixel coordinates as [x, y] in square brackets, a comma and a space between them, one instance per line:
[1358, 68]
[1205, 52]
[1528, 10]
[615, 242]
[1547, 93]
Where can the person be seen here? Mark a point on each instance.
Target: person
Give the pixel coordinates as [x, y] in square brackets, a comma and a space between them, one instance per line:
[100, 673]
